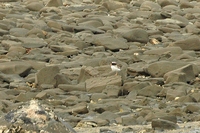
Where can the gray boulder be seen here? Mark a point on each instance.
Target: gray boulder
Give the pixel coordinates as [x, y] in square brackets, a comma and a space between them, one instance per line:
[98, 84]
[46, 75]
[163, 124]
[15, 67]
[183, 74]
[189, 43]
[32, 42]
[150, 91]
[158, 69]
[109, 42]
[54, 3]
[133, 35]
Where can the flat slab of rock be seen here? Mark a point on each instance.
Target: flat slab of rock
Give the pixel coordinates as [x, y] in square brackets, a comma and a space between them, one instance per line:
[183, 74]
[134, 35]
[32, 42]
[86, 73]
[35, 6]
[113, 5]
[158, 69]
[163, 124]
[68, 88]
[189, 43]
[97, 84]
[15, 67]
[109, 42]
[46, 75]
[64, 50]
[3, 32]
[160, 51]
[54, 3]
[18, 32]
[150, 91]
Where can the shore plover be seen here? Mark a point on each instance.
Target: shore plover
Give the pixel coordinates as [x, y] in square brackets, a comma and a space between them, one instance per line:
[114, 67]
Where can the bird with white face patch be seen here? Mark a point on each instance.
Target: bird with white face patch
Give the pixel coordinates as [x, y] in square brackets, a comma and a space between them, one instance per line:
[115, 68]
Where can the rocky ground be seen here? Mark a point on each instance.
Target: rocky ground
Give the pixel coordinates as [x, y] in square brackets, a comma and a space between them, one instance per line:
[55, 70]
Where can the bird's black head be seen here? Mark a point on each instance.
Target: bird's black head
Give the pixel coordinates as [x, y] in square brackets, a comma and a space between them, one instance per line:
[114, 63]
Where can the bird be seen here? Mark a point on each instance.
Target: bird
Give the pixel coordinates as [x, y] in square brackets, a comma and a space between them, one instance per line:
[114, 67]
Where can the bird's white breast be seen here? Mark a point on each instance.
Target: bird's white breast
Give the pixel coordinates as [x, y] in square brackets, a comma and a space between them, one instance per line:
[115, 68]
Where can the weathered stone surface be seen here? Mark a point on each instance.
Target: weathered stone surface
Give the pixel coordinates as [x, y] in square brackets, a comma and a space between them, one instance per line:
[18, 32]
[64, 49]
[109, 116]
[91, 22]
[149, 5]
[92, 50]
[186, 4]
[2, 15]
[37, 65]
[171, 118]
[163, 124]
[136, 68]
[3, 32]
[25, 97]
[169, 21]
[150, 91]
[54, 25]
[54, 92]
[108, 106]
[183, 74]
[15, 67]
[46, 75]
[54, 3]
[36, 32]
[133, 35]
[109, 42]
[181, 19]
[131, 95]
[192, 29]
[175, 77]
[35, 6]
[158, 69]
[173, 94]
[4, 95]
[189, 43]
[112, 91]
[9, 43]
[16, 52]
[80, 108]
[41, 96]
[191, 108]
[160, 51]
[98, 84]
[31, 118]
[32, 42]
[62, 79]
[68, 87]
[195, 96]
[134, 86]
[95, 97]
[86, 73]
[167, 2]
[113, 5]
[92, 123]
[129, 120]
